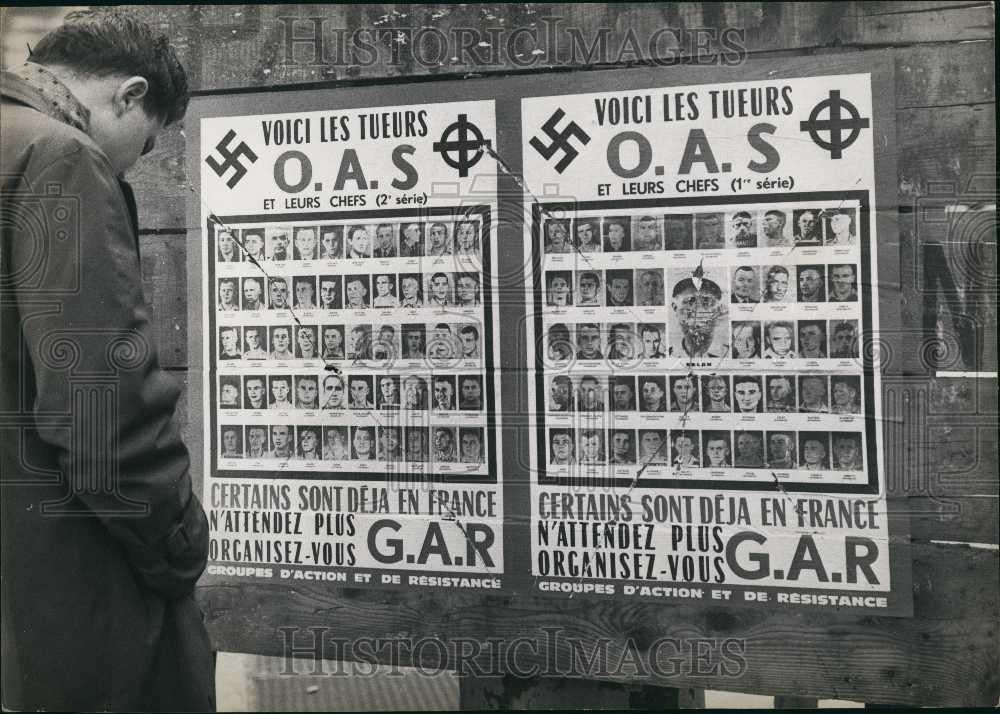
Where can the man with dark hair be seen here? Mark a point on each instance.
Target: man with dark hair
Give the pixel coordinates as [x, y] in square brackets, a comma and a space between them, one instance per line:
[385, 241]
[812, 392]
[622, 449]
[305, 292]
[228, 252]
[306, 392]
[684, 389]
[843, 283]
[470, 392]
[749, 450]
[413, 341]
[652, 340]
[744, 230]
[438, 243]
[110, 623]
[774, 228]
[466, 289]
[619, 288]
[780, 394]
[278, 293]
[255, 392]
[329, 292]
[228, 300]
[388, 392]
[708, 231]
[811, 287]
[812, 339]
[717, 450]
[586, 235]
[747, 394]
[232, 447]
[654, 396]
[444, 393]
[562, 450]
[439, 290]
[622, 393]
[807, 227]
[746, 288]
[589, 283]
[359, 244]
[647, 235]
[561, 394]
[844, 395]
[781, 450]
[844, 342]
[588, 341]
[468, 337]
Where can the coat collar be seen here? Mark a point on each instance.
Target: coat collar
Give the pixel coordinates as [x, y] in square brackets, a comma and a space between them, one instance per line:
[37, 87]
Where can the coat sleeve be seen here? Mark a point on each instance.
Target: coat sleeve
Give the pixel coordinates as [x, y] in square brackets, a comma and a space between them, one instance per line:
[123, 458]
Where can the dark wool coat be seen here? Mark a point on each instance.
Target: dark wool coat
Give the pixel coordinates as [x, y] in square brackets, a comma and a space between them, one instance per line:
[102, 537]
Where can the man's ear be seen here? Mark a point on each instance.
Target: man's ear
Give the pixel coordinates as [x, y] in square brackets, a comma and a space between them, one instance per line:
[130, 94]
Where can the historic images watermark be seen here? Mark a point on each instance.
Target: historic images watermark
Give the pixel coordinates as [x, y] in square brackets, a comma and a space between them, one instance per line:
[312, 44]
[551, 653]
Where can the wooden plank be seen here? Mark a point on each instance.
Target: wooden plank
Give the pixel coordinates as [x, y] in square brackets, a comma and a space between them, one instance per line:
[245, 45]
[164, 284]
[943, 144]
[181, 413]
[939, 438]
[971, 519]
[946, 654]
[161, 184]
[941, 75]
[895, 7]
[945, 245]
[947, 24]
[516, 693]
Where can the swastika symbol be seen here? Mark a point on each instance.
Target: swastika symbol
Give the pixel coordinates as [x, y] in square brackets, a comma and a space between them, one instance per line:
[231, 159]
[560, 140]
[836, 124]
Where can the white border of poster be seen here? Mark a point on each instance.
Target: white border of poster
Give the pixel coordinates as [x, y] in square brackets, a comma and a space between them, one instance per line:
[348, 329]
[704, 426]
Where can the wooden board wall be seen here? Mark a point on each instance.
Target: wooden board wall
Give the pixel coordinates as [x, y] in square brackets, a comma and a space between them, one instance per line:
[942, 431]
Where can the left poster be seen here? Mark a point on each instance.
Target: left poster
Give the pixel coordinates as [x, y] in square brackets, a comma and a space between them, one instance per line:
[348, 312]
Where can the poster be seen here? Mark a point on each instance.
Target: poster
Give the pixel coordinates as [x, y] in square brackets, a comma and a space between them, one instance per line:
[703, 298]
[349, 397]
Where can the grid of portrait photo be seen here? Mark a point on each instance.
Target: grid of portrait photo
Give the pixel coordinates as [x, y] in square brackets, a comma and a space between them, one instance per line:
[345, 346]
[656, 328]
[704, 453]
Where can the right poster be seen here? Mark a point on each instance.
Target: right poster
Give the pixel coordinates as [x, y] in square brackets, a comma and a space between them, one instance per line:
[702, 278]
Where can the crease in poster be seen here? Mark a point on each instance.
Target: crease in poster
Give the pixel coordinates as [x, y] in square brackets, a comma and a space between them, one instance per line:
[349, 335]
[706, 402]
